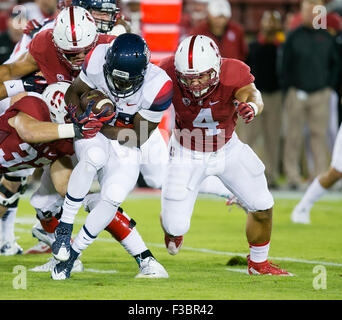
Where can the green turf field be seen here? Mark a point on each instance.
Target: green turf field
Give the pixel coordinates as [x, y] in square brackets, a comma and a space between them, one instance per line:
[199, 271]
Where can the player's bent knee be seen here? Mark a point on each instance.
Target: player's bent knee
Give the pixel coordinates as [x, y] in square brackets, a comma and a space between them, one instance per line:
[336, 174]
[113, 193]
[11, 188]
[175, 226]
[262, 216]
[96, 157]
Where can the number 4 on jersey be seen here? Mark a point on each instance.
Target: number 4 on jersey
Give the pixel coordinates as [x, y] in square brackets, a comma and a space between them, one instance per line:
[205, 119]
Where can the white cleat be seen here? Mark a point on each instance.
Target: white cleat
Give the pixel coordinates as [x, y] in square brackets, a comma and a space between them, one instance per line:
[39, 233]
[39, 248]
[10, 249]
[48, 267]
[63, 253]
[151, 268]
[300, 215]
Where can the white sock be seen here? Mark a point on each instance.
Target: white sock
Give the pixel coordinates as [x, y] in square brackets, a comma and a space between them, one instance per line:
[79, 185]
[213, 185]
[133, 243]
[97, 220]
[312, 194]
[83, 240]
[259, 252]
[7, 225]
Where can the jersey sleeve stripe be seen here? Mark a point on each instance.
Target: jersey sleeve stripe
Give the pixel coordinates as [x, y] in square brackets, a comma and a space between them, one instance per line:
[164, 98]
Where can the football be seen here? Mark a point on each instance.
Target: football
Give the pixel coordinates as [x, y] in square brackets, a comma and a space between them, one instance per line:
[101, 102]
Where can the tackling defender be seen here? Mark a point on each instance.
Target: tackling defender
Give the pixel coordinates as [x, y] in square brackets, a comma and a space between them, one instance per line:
[209, 94]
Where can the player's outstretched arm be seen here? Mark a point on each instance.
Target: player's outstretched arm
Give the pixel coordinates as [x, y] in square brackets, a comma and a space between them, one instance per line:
[22, 67]
[32, 130]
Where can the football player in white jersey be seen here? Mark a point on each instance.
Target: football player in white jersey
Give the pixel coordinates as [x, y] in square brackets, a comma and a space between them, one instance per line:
[48, 201]
[141, 92]
[320, 185]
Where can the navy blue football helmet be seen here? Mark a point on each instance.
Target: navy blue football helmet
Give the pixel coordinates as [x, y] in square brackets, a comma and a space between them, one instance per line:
[126, 64]
[104, 12]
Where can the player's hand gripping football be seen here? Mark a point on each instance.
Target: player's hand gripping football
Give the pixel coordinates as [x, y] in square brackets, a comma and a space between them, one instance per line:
[87, 125]
[245, 110]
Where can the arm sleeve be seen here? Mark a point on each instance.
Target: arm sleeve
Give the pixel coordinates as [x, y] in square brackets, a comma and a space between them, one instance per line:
[245, 76]
[160, 103]
[34, 107]
[85, 74]
[35, 48]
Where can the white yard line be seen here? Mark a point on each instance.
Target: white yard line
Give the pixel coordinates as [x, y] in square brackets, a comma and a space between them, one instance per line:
[100, 271]
[204, 250]
[245, 271]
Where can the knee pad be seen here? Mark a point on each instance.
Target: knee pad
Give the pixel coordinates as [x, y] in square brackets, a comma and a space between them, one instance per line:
[11, 198]
[114, 194]
[121, 225]
[96, 157]
[175, 225]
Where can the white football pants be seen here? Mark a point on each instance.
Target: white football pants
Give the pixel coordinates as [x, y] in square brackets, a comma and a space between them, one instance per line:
[235, 164]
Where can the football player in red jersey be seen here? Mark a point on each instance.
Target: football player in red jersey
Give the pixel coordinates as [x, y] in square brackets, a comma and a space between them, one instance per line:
[53, 53]
[59, 52]
[28, 140]
[209, 94]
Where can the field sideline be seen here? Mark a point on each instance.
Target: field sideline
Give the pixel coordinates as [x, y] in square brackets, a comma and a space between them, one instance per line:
[199, 271]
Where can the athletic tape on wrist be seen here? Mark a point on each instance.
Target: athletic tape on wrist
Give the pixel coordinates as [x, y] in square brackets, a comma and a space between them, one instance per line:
[66, 131]
[254, 107]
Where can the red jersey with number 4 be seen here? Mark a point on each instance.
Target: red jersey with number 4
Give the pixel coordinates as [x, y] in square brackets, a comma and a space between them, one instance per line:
[46, 55]
[208, 124]
[16, 154]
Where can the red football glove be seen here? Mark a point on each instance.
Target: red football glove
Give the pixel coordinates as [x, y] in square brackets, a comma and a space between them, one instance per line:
[32, 27]
[245, 110]
[87, 125]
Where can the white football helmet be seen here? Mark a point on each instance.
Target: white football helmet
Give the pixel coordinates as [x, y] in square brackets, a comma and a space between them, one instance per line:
[53, 96]
[198, 64]
[74, 32]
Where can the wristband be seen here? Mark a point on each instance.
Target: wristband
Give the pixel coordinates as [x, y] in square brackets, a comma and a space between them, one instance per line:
[66, 131]
[13, 87]
[254, 107]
